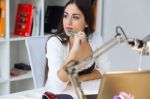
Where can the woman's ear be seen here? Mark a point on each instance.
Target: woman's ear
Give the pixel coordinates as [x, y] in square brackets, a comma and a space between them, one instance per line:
[86, 25]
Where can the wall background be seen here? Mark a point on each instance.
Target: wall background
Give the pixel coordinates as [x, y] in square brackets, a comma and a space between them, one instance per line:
[134, 17]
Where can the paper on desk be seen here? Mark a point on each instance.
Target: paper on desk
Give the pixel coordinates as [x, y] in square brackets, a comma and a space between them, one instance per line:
[90, 87]
[32, 96]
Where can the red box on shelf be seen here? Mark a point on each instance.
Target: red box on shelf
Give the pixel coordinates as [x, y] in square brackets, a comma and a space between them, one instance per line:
[24, 19]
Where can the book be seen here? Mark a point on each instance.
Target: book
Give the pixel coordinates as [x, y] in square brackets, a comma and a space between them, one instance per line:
[95, 8]
[95, 5]
[2, 17]
[24, 20]
[36, 21]
[17, 72]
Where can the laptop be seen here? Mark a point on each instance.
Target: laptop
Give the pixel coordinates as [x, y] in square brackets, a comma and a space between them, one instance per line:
[133, 83]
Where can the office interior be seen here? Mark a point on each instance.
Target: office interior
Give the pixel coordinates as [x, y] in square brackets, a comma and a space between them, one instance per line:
[132, 15]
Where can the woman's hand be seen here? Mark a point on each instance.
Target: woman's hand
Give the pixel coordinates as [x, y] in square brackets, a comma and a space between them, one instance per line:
[79, 39]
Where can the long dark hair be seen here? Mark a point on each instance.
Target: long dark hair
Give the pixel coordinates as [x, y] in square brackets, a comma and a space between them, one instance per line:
[86, 8]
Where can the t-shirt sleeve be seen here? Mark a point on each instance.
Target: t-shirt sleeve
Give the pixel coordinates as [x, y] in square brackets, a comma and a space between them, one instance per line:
[55, 61]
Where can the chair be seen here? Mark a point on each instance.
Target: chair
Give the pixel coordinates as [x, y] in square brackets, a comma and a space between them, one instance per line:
[36, 52]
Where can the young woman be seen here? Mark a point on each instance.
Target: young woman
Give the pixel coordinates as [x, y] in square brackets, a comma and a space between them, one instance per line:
[75, 40]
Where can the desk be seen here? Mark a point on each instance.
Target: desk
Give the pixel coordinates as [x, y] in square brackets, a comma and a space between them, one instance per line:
[69, 90]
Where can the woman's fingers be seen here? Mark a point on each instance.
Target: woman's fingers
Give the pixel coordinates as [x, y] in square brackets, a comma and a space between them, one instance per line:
[81, 35]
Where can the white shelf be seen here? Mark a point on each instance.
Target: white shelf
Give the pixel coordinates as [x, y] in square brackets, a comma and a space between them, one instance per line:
[17, 38]
[21, 77]
[2, 40]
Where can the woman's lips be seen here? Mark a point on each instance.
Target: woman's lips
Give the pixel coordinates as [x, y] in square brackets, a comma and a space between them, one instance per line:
[69, 28]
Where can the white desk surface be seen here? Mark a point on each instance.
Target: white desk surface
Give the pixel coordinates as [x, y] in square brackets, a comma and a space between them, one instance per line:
[92, 89]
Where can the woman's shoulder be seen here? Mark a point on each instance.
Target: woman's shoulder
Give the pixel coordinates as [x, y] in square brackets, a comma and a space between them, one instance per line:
[53, 40]
[53, 44]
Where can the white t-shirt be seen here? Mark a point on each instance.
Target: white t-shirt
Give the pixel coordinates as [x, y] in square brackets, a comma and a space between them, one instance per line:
[56, 55]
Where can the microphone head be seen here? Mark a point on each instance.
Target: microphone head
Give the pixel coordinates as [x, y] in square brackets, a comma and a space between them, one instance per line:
[71, 32]
[136, 44]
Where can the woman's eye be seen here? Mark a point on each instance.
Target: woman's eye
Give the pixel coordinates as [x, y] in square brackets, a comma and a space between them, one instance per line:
[75, 17]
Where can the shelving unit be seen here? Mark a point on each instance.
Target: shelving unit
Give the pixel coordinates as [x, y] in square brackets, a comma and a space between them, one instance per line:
[13, 50]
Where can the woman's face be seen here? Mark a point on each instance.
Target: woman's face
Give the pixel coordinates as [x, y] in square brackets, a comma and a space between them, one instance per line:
[73, 20]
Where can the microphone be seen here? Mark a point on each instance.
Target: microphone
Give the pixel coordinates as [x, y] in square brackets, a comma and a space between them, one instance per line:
[136, 43]
[140, 45]
[71, 32]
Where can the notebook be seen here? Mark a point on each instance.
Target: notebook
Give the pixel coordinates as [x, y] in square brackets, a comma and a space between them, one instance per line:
[133, 83]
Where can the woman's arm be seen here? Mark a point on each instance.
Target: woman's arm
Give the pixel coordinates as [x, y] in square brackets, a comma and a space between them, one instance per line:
[95, 74]
[79, 51]
[62, 73]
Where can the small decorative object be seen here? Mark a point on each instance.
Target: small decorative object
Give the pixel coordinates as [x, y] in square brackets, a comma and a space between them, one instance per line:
[123, 95]
[17, 72]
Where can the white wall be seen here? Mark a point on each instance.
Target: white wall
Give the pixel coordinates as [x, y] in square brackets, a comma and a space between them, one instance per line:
[134, 17]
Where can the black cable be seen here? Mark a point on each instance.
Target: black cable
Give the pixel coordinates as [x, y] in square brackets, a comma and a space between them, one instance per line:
[120, 28]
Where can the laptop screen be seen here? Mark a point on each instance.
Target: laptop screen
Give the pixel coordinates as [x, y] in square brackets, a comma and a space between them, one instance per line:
[133, 83]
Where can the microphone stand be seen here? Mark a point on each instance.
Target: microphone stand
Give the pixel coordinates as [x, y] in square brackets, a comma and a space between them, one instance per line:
[73, 67]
